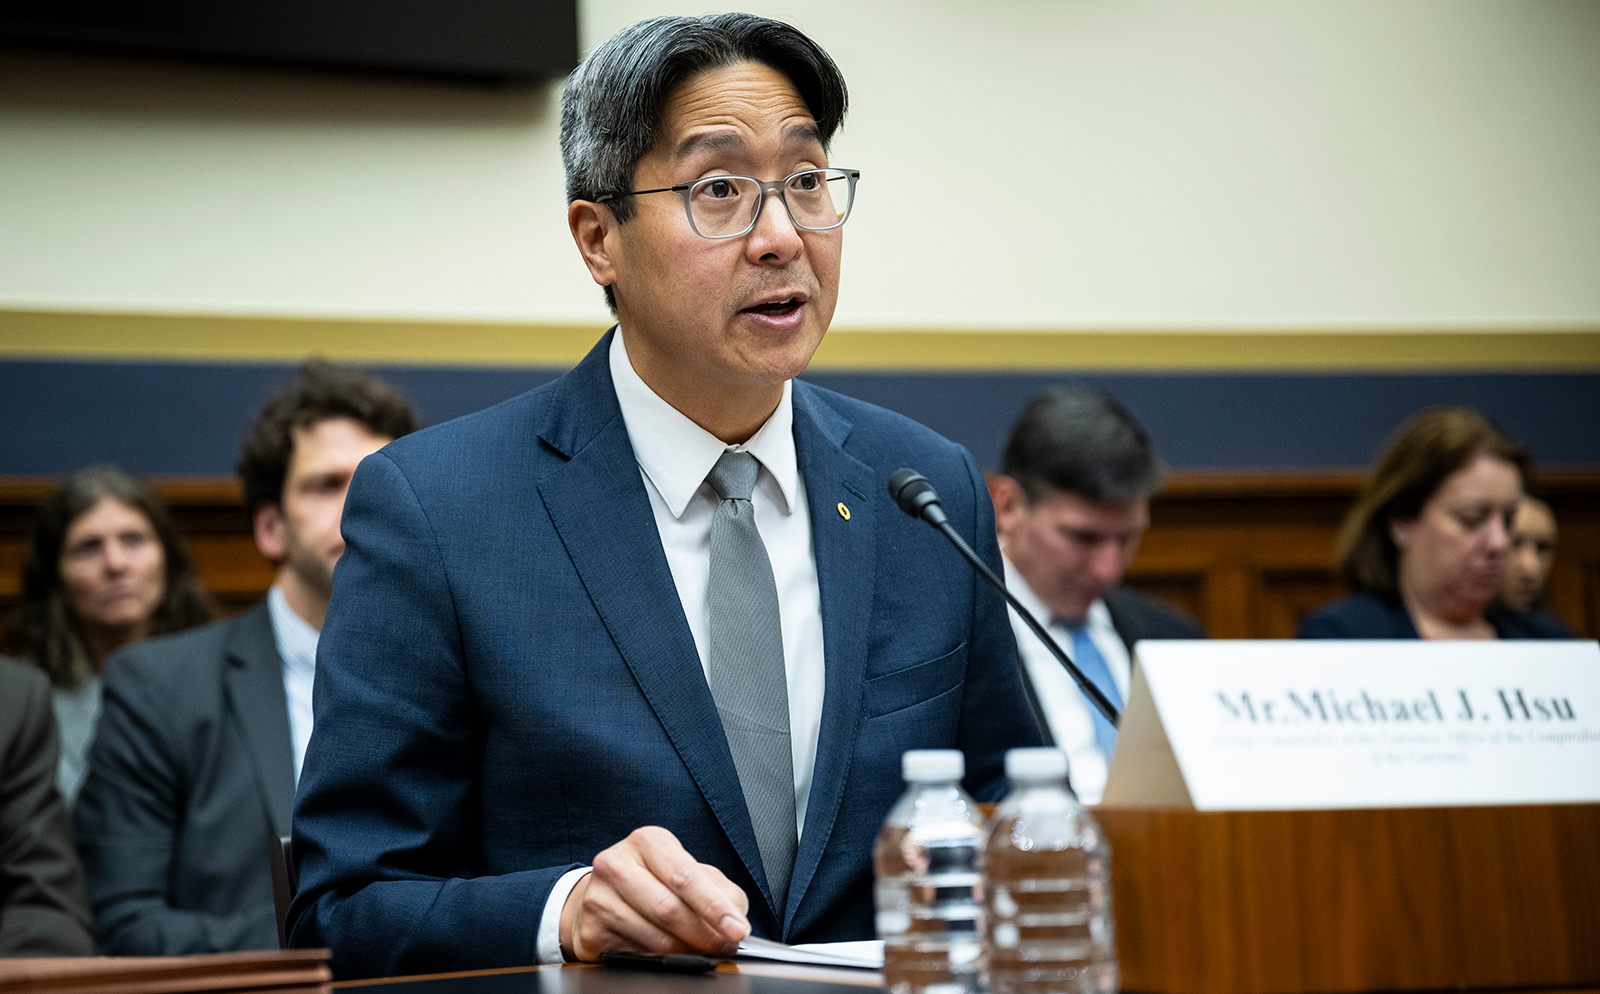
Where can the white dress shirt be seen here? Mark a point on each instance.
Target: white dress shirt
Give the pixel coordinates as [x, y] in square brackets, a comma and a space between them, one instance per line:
[674, 456]
[297, 647]
[1065, 708]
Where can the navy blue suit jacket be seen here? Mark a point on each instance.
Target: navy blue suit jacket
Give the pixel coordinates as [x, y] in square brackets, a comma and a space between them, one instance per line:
[506, 683]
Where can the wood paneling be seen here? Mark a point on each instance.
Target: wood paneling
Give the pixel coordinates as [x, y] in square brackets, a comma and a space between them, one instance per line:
[1296, 902]
[1247, 553]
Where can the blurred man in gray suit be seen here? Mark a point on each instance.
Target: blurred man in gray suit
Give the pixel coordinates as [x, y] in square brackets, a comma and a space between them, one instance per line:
[200, 742]
[42, 908]
[1071, 504]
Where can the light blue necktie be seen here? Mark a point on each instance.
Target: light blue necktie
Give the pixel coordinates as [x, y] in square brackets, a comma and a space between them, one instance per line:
[1093, 666]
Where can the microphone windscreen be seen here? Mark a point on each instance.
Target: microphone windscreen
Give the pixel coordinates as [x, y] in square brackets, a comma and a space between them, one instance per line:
[911, 491]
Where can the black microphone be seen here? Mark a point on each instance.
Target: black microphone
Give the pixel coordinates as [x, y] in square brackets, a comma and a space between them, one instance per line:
[916, 496]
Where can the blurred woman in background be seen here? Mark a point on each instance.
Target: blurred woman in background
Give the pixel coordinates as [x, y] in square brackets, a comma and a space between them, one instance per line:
[1533, 552]
[1426, 545]
[106, 567]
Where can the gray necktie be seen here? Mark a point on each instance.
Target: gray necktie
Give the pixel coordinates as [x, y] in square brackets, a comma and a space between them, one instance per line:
[746, 668]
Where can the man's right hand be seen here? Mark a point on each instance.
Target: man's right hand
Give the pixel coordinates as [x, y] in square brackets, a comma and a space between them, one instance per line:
[647, 894]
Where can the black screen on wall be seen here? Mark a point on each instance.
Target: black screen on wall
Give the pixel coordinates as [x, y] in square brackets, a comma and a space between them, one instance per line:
[499, 40]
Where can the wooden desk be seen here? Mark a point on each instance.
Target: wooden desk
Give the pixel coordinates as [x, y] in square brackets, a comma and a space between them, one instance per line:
[1287, 902]
[583, 978]
[730, 978]
[1348, 901]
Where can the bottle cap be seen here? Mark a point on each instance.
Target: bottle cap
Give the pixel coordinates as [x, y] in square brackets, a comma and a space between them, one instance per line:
[933, 765]
[1036, 764]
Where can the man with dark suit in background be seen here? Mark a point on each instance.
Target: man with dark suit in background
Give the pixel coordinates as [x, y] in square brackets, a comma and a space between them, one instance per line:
[629, 661]
[43, 911]
[1071, 503]
[201, 738]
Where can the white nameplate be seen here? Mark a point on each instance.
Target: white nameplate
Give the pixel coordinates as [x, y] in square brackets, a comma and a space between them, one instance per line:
[1232, 726]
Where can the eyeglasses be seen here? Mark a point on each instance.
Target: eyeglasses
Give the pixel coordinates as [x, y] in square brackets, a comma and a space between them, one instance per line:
[729, 206]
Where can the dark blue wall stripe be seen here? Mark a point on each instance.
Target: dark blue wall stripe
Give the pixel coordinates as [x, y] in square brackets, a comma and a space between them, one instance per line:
[1270, 421]
[171, 418]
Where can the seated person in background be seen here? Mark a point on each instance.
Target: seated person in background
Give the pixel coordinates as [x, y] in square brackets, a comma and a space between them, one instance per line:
[106, 567]
[629, 661]
[42, 908]
[1071, 504]
[1426, 544]
[200, 740]
[1533, 551]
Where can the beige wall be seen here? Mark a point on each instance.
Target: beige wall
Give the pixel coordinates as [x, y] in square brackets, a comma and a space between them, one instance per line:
[1343, 164]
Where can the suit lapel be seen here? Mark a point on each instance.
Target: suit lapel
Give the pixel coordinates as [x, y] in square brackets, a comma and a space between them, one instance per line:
[845, 550]
[599, 507]
[254, 685]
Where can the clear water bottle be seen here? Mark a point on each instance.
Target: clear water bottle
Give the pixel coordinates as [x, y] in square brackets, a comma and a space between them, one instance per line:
[929, 865]
[1048, 897]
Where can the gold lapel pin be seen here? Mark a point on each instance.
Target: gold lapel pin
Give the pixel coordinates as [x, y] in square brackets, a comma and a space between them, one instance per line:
[844, 512]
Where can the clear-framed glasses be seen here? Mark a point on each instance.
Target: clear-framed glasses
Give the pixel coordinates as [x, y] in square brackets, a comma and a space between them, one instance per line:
[729, 206]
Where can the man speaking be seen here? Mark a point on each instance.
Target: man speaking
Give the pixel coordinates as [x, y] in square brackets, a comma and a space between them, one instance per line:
[629, 661]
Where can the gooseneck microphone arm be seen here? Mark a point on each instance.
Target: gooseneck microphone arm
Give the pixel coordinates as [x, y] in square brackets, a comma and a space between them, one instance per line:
[916, 496]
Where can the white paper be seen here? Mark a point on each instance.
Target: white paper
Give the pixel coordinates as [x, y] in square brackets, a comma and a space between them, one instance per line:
[1361, 724]
[866, 954]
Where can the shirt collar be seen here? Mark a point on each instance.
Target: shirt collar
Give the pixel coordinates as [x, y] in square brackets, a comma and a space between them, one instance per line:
[1021, 591]
[297, 640]
[1098, 617]
[676, 454]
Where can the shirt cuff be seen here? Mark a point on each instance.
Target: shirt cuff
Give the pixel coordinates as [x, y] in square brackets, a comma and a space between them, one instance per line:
[548, 948]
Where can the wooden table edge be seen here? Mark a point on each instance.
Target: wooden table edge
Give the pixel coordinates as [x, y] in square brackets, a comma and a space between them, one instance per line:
[752, 968]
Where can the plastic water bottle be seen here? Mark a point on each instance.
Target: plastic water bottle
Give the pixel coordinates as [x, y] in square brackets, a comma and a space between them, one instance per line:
[1048, 897]
[929, 864]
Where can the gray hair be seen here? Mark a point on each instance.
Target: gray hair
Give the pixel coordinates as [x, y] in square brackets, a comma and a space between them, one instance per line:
[1080, 441]
[611, 107]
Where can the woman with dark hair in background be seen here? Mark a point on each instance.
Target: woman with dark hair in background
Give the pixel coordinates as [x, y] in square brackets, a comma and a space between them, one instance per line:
[1425, 546]
[106, 567]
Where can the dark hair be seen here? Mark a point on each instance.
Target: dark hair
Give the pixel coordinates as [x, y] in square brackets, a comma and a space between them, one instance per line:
[1083, 442]
[611, 106]
[320, 392]
[1418, 457]
[44, 627]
